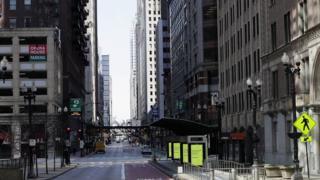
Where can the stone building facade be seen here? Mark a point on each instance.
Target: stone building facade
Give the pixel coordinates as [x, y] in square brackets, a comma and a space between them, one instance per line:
[292, 27]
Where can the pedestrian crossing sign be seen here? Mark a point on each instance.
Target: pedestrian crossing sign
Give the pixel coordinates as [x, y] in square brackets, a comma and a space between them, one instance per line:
[304, 123]
[306, 138]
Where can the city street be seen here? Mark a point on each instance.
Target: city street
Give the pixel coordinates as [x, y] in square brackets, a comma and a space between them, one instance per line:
[121, 161]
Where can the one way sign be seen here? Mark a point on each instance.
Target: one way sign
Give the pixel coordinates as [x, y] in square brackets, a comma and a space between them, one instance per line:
[306, 138]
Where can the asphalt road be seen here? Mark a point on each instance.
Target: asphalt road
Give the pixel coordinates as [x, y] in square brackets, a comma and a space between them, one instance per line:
[120, 162]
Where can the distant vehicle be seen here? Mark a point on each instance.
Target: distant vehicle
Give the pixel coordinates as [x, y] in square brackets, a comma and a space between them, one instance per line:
[100, 147]
[146, 150]
[118, 140]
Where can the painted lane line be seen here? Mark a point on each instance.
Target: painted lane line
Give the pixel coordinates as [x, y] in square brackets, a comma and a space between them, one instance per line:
[123, 177]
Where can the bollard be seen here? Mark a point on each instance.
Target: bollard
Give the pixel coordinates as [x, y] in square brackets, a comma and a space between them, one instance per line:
[233, 174]
[255, 171]
[211, 174]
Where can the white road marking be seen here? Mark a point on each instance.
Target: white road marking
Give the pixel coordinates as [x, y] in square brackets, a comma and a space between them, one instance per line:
[123, 177]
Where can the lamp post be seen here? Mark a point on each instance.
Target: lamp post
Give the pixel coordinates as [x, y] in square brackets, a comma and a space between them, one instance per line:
[291, 70]
[218, 102]
[255, 92]
[3, 67]
[63, 154]
[29, 95]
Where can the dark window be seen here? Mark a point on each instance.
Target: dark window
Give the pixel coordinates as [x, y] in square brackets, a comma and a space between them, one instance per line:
[13, 5]
[27, 22]
[275, 90]
[6, 109]
[254, 26]
[287, 32]
[12, 22]
[303, 16]
[27, 4]
[274, 36]
[257, 19]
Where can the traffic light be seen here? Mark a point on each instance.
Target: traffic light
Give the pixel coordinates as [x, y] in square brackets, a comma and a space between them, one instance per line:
[68, 130]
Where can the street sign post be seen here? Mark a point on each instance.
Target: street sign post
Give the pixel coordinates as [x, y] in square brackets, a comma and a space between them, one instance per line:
[306, 139]
[75, 105]
[304, 123]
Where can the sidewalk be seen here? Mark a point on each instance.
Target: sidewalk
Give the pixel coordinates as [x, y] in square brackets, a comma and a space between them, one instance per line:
[170, 168]
[42, 175]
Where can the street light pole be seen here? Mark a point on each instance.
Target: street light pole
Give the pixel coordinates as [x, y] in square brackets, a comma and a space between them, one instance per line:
[29, 95]
[291, 70]
[219, 103]
[255, 91]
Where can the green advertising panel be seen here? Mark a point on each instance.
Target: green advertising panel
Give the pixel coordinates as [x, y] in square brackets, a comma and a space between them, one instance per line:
[169, 150]
[75, 105]
[185, 153]
[176, 151]
[196, 154]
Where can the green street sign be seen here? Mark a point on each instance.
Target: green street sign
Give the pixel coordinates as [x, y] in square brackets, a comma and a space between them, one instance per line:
[75, 105]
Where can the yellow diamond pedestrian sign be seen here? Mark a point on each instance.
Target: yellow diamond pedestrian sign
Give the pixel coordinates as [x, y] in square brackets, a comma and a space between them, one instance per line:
[306, 138]
[304, 123]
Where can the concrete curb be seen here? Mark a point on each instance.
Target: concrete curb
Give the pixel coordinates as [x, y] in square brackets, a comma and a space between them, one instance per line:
[163, 169]
[55, 176]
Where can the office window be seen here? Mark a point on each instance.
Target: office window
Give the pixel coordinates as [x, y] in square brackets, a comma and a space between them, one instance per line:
[274, 136]
[12, 22]
[274, 36]
[249, 60]
[246, 63]
[245, 34]
[237, 8]
[249, 31]
[241, 68]
[244, 5]
[306, 76]
[27, 22]
[257, 19]
[254, 61]
[254, 26]
[258, 58]
[13, 5]
[27, 4]
[303, 22]
[272, 2]
[275, 87]
[287, 33]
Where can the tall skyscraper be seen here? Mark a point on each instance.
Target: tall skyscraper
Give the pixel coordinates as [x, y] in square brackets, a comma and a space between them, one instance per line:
[105, 89]
[148, 14]
[163, 71]
[91, 78]
[133, 78]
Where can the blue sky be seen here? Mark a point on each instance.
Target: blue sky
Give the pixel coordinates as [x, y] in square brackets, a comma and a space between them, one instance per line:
[115, 19]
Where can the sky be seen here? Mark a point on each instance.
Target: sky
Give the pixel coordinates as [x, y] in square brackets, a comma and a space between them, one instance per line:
[115, 19]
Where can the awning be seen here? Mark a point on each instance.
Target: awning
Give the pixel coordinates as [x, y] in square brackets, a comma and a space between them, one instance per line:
[184, 127]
